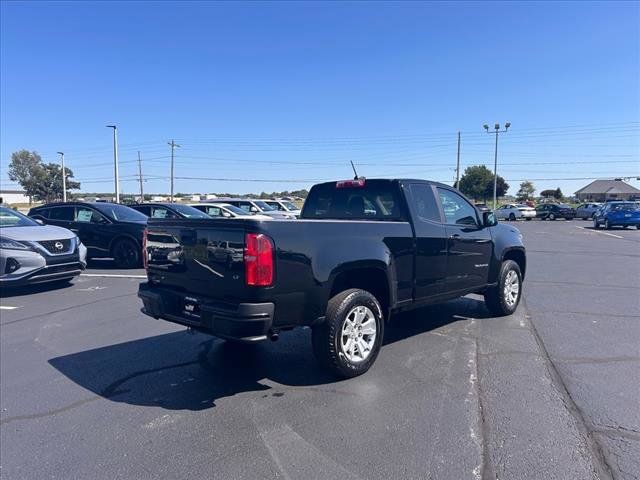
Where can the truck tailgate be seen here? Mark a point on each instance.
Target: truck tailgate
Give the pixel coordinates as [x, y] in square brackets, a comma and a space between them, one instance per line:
[202, 257]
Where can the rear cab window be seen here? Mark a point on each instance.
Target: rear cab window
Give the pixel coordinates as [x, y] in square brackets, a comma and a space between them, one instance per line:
[355, 200]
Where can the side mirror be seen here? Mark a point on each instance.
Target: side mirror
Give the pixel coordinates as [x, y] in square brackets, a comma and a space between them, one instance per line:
[489, 219]
[39, 221]
[254, 210]
[226, 214]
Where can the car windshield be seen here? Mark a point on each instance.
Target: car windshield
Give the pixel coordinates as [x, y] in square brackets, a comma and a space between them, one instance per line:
[624, 206]
[264, 206]
[289, 205]
[11, 218]
[564, 205]
[120, 212]
[189, 212]
[522, 206]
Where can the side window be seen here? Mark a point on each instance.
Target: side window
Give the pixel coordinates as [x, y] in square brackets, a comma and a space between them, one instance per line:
[86, 215]
[214, 211]
[424, 202]
[246, 206]
[144, 209]
[44, 213]
[161, 212]
[62, 213]
[457, 210]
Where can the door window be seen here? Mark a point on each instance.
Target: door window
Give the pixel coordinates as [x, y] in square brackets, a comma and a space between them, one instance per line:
[62, 213]
[425, 202]
[161, 212]
[457, 211]
[87, 215]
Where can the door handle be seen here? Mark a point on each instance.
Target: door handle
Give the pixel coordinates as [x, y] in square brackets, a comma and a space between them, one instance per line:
[454, 236]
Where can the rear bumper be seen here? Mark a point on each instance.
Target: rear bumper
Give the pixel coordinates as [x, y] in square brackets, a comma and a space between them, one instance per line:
[247, 322]
[624, 221]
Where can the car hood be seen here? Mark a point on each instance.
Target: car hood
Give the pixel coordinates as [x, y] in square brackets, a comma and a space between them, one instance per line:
[37, 233]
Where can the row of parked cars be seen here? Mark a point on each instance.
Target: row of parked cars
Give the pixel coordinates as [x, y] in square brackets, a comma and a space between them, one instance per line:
[608, 215]
[55, 240]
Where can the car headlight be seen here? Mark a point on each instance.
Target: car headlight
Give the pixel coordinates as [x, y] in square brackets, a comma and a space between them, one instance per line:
[12, 244]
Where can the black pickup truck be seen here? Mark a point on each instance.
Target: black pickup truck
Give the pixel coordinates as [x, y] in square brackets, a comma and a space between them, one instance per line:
[362, 250]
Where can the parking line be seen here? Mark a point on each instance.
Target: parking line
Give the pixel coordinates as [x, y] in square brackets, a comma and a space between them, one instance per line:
[111, 275]
[598, 231]
[7, 307]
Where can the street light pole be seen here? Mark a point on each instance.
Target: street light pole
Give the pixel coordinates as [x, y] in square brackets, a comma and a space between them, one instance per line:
[115, 161]
[64, 178]
[173, 145]
[495, 159]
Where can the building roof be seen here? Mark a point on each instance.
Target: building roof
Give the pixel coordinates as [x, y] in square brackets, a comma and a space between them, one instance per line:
[608, 186]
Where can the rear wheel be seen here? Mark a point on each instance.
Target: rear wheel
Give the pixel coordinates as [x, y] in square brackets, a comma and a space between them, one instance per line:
[503, 298]
[349, 339]
[552, 216]
[596, 225]
[512, 217]
[126, 253]
[607, 225]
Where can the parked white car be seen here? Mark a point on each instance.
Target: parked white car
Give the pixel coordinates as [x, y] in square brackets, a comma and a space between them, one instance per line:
[515, 211]
[226, 210]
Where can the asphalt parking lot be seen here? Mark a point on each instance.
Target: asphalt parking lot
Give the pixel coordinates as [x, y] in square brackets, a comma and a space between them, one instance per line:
[92, 388]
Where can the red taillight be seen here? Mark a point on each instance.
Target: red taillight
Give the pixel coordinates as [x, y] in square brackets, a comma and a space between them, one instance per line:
[357, 183]
[258, 260]
[145, 255]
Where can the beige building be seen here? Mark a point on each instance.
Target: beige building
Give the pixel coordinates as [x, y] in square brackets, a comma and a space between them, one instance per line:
[603, 190]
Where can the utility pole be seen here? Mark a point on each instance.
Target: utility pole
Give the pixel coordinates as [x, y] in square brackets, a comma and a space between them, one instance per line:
[64, 178]
[140, 175]
[115, 161]
[495, 160]
[458, 165]
[173, 147]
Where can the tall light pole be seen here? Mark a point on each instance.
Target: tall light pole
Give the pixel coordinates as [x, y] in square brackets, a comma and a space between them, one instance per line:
[173, 145]
[115, 161]
[495, 160]
[64, 178]
[458, 165]
[140, 176]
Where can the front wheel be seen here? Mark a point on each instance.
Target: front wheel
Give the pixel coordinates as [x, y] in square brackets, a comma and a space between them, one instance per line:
[349, 339]
[607, 225]
[552, 216]
[596, 225]
[126, 253]
[512, 217]
[528, 219]
[503, 298]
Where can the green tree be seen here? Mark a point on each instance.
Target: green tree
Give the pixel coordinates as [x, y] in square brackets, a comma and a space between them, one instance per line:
[526, 191]
[41, 181]
[477, 183]
[557, 194]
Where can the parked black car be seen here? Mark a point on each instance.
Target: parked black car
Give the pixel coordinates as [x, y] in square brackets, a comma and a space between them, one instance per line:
[362, 250]
[168, 210]
[108, 230]
[551, 211]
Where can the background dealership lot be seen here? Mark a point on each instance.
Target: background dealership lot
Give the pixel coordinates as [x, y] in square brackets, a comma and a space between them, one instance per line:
[550, 392]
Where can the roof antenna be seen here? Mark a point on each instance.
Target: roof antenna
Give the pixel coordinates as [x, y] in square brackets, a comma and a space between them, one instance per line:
[354, 170]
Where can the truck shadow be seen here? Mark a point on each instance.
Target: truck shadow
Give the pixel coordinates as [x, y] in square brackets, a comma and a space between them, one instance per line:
[184, 371]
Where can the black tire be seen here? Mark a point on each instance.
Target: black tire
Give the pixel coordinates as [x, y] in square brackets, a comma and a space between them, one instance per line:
[528, 219]
[512, 217]
[327, 337]
[552, 216]
[596, 225]
[607, 225]
[568, 218]
[495, 297]
[126, 253]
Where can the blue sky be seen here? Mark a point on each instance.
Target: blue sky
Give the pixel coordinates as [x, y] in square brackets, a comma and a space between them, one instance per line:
[288, 93]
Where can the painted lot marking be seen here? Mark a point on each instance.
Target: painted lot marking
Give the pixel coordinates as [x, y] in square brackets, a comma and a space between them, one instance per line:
[598, 231]
[111, 275]
[7, 307]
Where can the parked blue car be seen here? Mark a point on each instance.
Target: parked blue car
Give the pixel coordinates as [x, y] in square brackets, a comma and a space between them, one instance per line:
[617, 214]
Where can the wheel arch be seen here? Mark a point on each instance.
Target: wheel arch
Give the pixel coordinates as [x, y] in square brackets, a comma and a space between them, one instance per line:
[374, 277]
[518, 256]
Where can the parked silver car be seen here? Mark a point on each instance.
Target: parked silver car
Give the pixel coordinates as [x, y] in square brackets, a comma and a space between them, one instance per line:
[587, 210]
[34, 253]
[250, 205]
[284, 206]
[226, 210]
